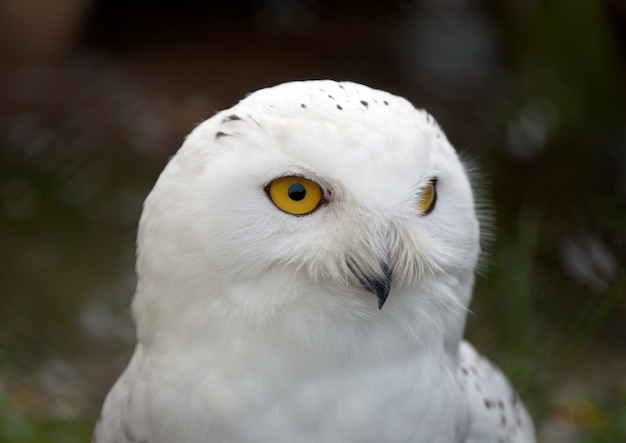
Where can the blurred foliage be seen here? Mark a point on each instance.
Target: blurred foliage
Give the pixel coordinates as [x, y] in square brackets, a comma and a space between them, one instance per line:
[30, 428]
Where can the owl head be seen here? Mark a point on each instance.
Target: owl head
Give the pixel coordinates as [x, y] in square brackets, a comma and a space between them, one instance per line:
[310, 203]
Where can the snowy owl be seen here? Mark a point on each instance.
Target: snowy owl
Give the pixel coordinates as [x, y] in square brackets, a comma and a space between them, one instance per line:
[305, 264]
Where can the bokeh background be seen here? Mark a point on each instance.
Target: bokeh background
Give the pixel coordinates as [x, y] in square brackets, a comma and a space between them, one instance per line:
[96, 95]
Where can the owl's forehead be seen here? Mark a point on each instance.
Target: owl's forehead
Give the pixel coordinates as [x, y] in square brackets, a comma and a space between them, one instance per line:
[341, 131]
[325, 101]
[340, 119]
[324, 95]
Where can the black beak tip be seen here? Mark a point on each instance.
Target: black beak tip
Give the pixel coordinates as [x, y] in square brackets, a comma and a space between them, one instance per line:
[378, 284]
[381, 288]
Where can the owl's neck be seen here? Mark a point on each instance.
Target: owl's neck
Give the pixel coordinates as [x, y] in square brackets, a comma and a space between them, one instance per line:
[313, 321]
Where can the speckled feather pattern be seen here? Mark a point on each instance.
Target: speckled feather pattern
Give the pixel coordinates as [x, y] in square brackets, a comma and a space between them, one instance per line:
[256, 325]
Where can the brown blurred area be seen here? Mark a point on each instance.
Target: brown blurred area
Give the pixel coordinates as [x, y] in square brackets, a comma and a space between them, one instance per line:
[96, 95]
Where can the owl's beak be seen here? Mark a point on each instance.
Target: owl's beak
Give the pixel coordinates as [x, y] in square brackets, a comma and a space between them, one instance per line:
[379, 284]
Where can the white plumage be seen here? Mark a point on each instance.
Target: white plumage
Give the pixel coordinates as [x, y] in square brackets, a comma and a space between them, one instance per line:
[259, 324]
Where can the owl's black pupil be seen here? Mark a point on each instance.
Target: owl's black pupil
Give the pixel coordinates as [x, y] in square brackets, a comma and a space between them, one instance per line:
[296, 191]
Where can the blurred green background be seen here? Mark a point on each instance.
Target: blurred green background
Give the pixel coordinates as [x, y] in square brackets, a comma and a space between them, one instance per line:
[96, 95]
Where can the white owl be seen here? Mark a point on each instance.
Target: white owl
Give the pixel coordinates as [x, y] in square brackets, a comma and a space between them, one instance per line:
[305, 264]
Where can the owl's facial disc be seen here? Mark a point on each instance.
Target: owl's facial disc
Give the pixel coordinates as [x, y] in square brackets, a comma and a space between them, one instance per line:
[297, 195]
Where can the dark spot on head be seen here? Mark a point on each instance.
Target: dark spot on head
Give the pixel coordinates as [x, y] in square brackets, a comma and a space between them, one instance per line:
[503, 421]
[500, 404]
[477, 386]
[473, 369]
[341, 87]
[364, 103]
[386, 102]
[339, 107]
[330, 96]
[302, 105]
[488, 403]
[231, 118]
[464, 370]
[220, 134]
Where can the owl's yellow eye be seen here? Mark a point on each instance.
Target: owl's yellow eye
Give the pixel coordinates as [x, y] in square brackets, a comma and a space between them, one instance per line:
[295, 195]
[428, 198]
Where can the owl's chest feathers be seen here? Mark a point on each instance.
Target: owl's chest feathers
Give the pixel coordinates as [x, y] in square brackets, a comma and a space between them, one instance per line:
[238, 389]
